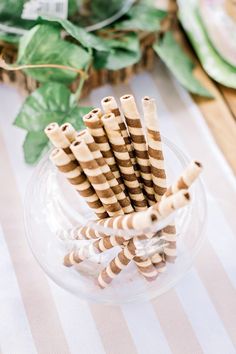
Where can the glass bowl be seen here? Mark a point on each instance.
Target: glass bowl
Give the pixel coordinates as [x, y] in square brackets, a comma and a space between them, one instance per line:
[53, 208]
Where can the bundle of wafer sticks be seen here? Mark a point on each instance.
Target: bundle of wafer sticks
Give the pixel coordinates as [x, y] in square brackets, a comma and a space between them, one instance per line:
[117, 166]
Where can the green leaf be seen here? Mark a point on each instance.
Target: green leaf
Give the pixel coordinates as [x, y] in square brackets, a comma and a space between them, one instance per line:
[43, 45]
[49, 103]
[179, 64]
[35, 143]
[88, 40]
[75, 116]
[11, 8]
[52, 102]
[144, 18]
[215, 66]
[123, 52]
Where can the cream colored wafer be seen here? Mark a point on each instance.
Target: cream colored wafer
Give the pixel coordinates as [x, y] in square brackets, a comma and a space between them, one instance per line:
[112, 181]
[123, 161]
[58, 139]
[134, 124]
[95, 127]
[69, 131]
[74, 174]
[96, 178]
[86, 251]
[144, 220]
[121, 261]
[146, 268]
[186, 179]
[110, 105]
[159, 262]
[154, 147]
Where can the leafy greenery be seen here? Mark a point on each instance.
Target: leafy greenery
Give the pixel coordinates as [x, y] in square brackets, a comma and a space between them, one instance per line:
[87, 40]
[142, 17]
[179, 63]
[43, 45]
[112, 48]
[52, 102]
[123, 52]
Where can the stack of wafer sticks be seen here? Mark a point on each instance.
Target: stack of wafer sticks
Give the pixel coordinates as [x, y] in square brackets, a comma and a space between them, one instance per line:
[117, 166]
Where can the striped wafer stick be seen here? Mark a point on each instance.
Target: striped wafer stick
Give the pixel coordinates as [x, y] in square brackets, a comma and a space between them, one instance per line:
[144, 220]
[69, 131]
[86, 251]
[123, 258]
[95, 127]
[159, 262]
[96, 177]
[78, 180]
[146, 268]
[186, 179]
[58, 139]
[133, 121]
[123, 161]
[112, 181]
[110, 105]
[154, 147]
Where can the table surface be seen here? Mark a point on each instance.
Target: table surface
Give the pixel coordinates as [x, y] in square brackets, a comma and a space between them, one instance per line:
[197, 316]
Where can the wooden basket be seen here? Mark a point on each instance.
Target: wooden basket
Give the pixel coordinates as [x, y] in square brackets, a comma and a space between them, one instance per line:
[26, 84]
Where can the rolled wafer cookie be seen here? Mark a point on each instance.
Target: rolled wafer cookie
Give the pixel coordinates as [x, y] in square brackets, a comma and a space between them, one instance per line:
[95, 127]
[86, 251]
[112, 181]
[143, 220]
[134, 124]
[146, 268]
[154, 147]
[159, 262]
[124, 162]
[69, 131]
[74, 174]
[110, 105]
[186, 179]
[58, 139]
[114, 268]
[96, 177]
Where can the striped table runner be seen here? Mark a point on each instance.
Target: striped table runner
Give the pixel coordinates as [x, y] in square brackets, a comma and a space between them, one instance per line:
[198, 316]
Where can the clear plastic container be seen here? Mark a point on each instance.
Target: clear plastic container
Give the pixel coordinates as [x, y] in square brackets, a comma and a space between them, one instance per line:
[53, 208]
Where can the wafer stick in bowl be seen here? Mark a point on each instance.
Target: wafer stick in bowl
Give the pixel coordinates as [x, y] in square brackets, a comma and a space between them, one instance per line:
[95, 127]
[134, 124]
[69, 131]
[78, 180]
[144, 220]
[113, 183]
[58, 139]
[96, 177]
[154, 147]
[123, 161]
[114, 268]
[186, 179]
[86, 251]
[110, 105]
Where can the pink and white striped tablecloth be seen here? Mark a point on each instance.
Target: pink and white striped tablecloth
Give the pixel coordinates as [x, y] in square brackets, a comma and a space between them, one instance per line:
[198, 316]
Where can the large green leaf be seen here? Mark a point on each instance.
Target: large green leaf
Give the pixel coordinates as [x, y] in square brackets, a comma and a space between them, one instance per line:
[34, 145]
[144, 18]
[123, 52]
[49, 103]
[88, 40]
[215, 66]
[43, 45]
[52, 102]
[179, 63]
